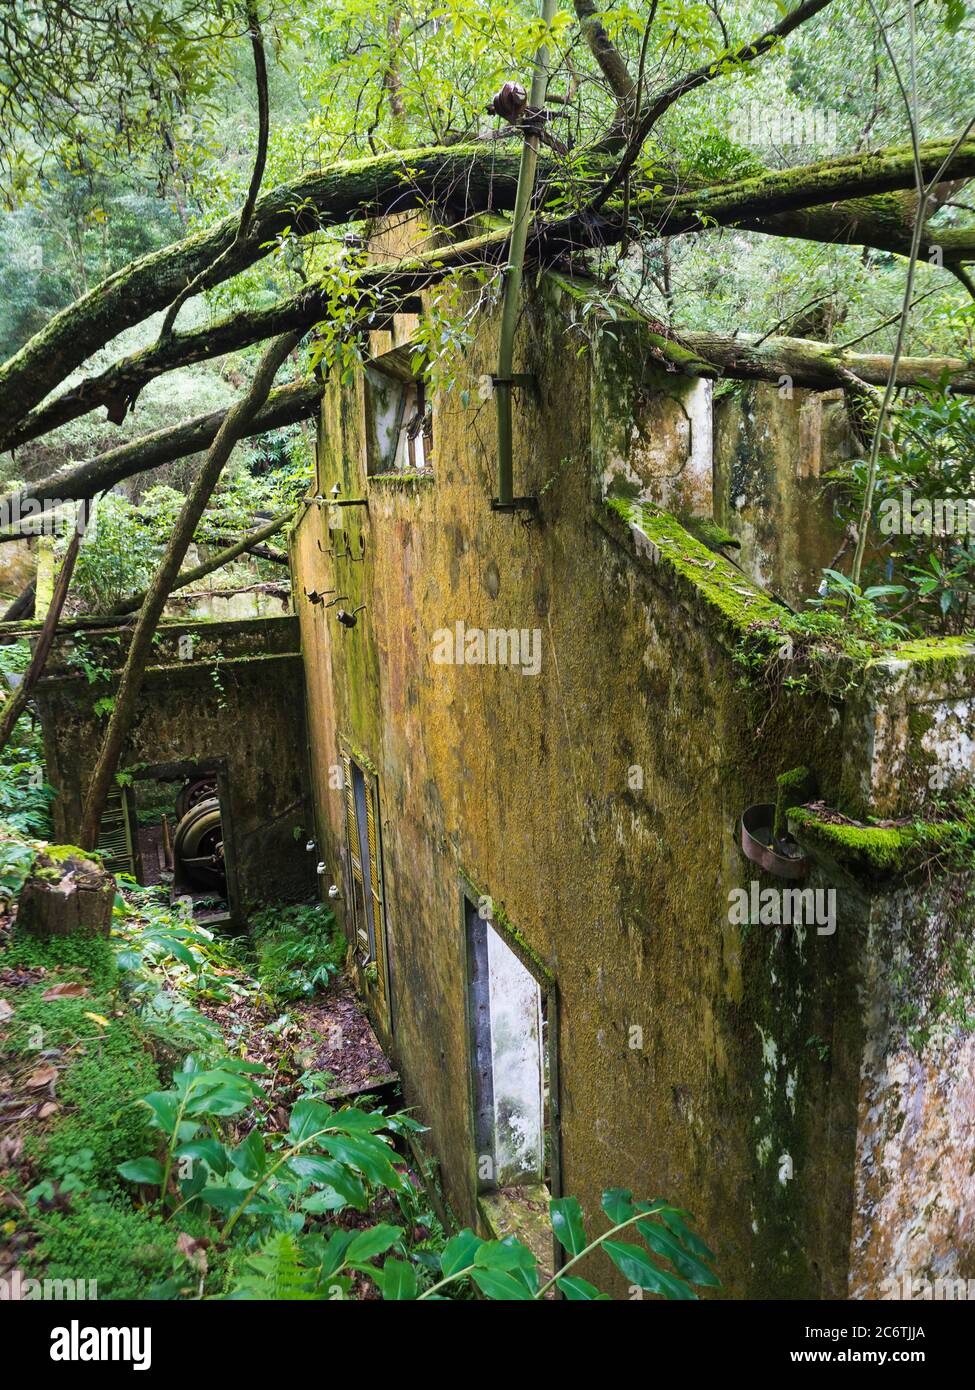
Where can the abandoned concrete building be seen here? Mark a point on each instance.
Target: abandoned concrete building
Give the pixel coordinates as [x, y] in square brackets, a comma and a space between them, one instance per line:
[518, 749]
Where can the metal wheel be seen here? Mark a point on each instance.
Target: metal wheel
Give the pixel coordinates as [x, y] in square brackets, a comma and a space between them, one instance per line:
[198, 844]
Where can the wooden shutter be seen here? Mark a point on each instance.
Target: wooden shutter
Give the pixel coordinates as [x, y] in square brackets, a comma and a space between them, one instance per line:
[355, 859]
[375, 884]
[115, 837]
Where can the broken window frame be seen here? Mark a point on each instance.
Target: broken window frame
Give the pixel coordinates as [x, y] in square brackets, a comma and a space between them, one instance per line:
[552, 1175]
[413, 434]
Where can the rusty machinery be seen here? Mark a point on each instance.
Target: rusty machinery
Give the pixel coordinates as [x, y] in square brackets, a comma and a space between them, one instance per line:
[198, 838]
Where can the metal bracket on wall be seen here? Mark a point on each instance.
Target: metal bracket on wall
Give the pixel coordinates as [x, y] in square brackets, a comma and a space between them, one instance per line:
[347, 555]
[487, 383]
[517, 504]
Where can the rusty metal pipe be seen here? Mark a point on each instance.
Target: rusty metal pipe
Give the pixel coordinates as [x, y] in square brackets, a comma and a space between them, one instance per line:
[516, 261]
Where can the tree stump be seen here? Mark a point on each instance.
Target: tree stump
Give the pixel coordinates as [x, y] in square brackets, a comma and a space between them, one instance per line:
[66, 896]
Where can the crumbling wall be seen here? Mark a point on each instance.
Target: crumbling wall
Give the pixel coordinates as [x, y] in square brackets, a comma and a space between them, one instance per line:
[914, 1215]
[772, 447]
[592, 793]
[226, 691]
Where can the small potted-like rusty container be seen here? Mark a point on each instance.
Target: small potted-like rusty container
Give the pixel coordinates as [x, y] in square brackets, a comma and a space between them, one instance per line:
[783, 857]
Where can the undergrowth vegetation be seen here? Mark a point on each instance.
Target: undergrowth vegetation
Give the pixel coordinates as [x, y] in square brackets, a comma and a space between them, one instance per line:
[149, 1154]
[298, 949]
[25, 795]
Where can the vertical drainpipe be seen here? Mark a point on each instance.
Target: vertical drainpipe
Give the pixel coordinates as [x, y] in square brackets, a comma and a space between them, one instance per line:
[516, 260]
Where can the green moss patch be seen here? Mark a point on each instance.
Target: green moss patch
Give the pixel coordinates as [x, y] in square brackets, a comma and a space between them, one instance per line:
[103, 1062]
[795, 787]
[124, 1251]
[718, 583]
[883, 851]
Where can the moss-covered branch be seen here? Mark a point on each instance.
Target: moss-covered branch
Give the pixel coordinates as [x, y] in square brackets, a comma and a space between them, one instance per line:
[468, 177]
[285, 406]
[820, 365]
[383, 288]
[465, 177]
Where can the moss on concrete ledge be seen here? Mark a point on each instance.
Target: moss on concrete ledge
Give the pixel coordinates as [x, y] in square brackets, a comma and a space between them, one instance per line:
[877, 851]
[795, 787]
[710, 533]
[722, 587]
[408, 480]
[936, 649]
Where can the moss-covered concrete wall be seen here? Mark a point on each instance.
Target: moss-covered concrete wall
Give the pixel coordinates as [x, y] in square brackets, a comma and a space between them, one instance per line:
[229, 691]
[596, 803]
[772, 447]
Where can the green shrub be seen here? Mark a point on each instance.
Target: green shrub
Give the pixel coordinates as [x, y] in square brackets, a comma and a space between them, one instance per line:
[299, 949]
[126, 1251]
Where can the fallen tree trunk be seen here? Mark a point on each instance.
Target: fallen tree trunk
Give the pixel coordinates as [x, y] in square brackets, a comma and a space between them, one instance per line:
[215, 562]
[884, 222]
[285, 406]
[382, 288]
[820, 366]
[476, 178]
[236, 425]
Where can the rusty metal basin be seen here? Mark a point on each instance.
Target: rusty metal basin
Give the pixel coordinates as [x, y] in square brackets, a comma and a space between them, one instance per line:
[757, 844]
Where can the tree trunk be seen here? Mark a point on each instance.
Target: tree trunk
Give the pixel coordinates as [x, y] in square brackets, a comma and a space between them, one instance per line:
[383, 288]
[237, 424]
[285, 406]
[361, 188]
[820, 365]
[251, 542]
[17, 701]
[471, 178]
[72, 896]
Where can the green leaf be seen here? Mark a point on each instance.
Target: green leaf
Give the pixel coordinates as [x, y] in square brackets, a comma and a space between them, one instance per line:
[328, 1254]
[397, 1280]
[567, 1223]
[459, 1252]
[250, 1157]
[368, 1154]
[194, 1185]
[358, 1121]
[618, 1205]
[635, 1264]
[507, 1254]
[580, 1290]
[181, 953]
[336, 1177]
[224, 1198]
[165, 1107]
[368, 1244]
[307, 1118]
[500, 1286]
[662, 1242]
[677, 1222]
[213, 1154]
[219, 1093]
[142, 1170]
